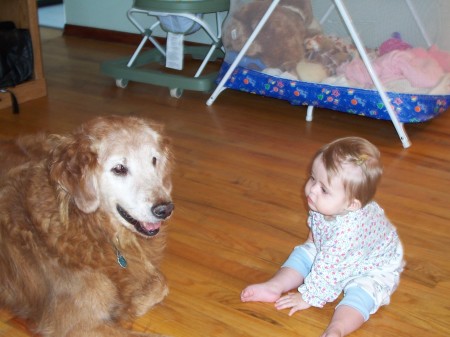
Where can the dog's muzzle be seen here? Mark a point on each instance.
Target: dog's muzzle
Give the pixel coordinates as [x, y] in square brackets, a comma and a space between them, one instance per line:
[160, 211]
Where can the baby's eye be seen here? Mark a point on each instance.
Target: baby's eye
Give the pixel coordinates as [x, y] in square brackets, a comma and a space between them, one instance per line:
[154, 160]
[120, 170]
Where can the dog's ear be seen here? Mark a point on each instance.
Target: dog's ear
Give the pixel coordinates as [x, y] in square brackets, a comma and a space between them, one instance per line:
[165, 145]
[73, 167]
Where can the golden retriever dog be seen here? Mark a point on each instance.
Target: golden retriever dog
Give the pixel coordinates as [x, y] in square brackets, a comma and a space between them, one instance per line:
[81, 226]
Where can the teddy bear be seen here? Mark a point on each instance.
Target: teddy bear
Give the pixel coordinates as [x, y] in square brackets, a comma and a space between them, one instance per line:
[280, 43]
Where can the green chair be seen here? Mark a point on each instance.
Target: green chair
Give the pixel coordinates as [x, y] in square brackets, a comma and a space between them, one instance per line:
[178, 18]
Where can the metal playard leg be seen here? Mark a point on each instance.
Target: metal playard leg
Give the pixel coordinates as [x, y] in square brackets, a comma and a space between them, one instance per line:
[220, 87]
[365, 58]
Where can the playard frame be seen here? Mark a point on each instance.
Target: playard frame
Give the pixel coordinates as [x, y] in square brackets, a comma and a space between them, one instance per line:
[232, 74]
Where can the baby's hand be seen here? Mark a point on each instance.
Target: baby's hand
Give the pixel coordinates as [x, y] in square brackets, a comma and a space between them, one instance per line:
[293, 301]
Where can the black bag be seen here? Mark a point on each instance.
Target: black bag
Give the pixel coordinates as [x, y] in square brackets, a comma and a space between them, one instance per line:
[16, 58]
[16, 55]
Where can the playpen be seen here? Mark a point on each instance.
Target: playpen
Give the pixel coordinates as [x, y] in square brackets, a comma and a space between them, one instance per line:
[384, 59]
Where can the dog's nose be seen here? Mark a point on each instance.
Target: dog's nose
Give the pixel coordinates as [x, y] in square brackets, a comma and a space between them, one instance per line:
[163, 211]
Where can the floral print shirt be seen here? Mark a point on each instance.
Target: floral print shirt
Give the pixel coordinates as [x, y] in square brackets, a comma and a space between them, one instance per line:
[359, 243]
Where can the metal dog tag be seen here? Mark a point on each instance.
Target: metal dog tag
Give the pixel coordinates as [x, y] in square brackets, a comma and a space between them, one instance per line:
[121, 259]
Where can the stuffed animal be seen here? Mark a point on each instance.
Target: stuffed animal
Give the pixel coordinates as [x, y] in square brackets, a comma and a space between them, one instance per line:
[328, 51]
[280, 42]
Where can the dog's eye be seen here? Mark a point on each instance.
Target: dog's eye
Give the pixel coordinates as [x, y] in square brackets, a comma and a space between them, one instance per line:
[154, 161]
[120, 170]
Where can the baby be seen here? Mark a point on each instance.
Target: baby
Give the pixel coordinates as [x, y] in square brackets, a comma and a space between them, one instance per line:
[351, 246]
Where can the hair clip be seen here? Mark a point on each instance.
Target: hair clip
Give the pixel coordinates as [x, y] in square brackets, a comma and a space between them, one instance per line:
[361, 159]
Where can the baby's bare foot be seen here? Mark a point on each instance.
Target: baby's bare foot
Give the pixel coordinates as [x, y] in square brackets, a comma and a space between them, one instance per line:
[330, 333]
[262, 292]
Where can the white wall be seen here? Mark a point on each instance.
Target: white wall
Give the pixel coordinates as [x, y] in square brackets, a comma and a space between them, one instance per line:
[104, 14]
[375, 20]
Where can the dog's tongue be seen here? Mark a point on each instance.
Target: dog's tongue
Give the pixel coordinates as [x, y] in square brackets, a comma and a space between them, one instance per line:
[151, 226]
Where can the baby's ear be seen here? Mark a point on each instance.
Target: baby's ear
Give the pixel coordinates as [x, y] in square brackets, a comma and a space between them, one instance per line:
[354, 205]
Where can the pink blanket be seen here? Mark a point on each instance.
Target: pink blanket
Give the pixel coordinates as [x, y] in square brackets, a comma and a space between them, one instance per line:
[422, 68]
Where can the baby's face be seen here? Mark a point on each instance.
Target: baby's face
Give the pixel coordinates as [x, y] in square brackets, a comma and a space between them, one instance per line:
[323, 196]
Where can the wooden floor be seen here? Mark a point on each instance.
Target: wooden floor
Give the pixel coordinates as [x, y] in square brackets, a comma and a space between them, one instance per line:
[238, 182]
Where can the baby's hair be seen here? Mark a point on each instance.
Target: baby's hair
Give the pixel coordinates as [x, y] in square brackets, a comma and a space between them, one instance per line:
[357, 162]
